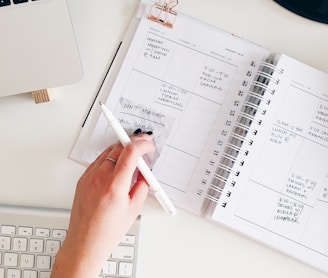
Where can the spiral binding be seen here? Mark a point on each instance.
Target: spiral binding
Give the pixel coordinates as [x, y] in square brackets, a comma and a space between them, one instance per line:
[239, 142]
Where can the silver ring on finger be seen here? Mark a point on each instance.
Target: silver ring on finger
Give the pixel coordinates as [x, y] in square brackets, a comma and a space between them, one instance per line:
[111, 159]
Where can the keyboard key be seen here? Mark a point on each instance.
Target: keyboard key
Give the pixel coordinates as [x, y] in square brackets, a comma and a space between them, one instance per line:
[45, 274]
[43, 262]
[36, 245]
[123, 252]
[14, 273]
[42, 232]
[2, 272]
[19, 1]
[30, 274]
[59, 233]
[10, 259]
[25, 231]
[109, 268]
[8, 230]
[5, 243]
[20, 244]
[27, 260]
[129, 239]
[125, 269]
[2, 4]
[52, 246]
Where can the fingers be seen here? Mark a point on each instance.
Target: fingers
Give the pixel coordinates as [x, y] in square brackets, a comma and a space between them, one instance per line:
[100, 159]
[128, 160]
[138, 193]
[109, 162]
[116, 177]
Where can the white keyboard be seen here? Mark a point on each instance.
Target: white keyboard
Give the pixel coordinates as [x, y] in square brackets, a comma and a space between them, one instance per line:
[31, 237]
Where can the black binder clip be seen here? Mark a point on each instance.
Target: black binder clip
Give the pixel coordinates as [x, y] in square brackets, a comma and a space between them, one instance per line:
[164, 14]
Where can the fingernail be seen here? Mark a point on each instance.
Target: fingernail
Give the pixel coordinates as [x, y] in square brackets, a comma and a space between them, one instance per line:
[137, 131]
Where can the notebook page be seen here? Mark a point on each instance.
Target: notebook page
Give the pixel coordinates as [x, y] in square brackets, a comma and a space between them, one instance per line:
[190, 75]
[281, 196]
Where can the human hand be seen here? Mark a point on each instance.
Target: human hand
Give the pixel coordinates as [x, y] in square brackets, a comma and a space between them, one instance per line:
[104, 208]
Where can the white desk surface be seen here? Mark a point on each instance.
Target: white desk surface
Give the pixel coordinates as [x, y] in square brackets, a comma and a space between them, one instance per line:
[36, 139]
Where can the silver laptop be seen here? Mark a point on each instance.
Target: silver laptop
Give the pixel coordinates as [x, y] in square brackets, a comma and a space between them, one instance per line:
[37, 46]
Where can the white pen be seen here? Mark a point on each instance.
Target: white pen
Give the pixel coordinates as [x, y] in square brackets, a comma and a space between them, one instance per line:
[154, 185]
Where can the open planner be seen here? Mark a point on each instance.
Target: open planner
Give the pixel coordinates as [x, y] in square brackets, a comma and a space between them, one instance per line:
[241, 133]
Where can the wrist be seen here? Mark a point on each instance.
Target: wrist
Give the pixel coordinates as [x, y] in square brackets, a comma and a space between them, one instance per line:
[73, 263]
